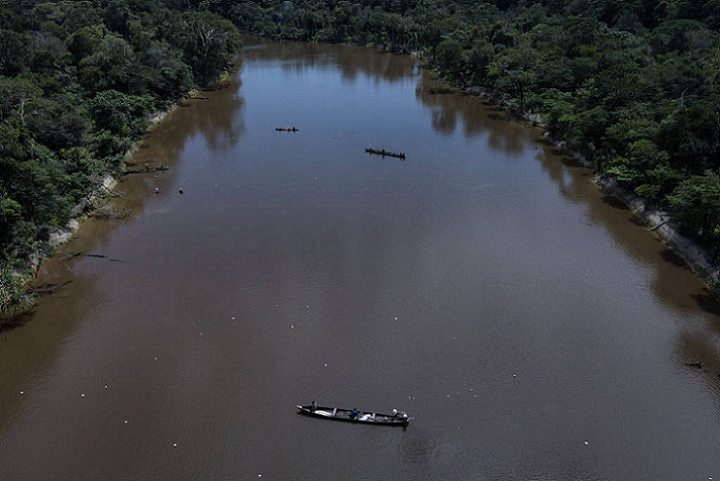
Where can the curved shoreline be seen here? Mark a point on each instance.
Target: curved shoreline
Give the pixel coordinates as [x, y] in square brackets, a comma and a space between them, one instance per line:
[95, 198]
[698, 258]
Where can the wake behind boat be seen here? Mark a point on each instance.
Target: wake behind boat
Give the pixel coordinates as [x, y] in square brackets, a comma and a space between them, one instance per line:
[355, 416]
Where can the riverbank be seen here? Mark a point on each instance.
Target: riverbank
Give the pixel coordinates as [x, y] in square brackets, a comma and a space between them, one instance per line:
[696, 256]
[16, 296]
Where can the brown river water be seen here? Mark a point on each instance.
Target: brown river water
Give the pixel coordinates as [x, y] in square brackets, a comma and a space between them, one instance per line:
[530, 325]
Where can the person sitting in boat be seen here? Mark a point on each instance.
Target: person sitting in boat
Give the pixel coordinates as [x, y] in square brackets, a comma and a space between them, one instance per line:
[354, 414]
[313, 406]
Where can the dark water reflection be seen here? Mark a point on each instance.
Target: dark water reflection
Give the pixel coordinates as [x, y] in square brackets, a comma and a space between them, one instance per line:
[485, 285]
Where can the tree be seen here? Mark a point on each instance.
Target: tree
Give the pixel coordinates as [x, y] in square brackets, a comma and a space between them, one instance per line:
[696, 204]
[13, 52]
[209, 44]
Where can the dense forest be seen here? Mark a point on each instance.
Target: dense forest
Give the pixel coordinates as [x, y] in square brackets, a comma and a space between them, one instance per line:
[77, 82]
[632, 85]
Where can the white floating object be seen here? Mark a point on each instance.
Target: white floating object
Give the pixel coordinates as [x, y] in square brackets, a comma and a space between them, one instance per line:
[586, 443]
[174, 445]
[292, 326]
[126, 421]
[105, 386]
[82, 395]
[396, 318]
[22, 392]
[307, 307]
[325, 365]
[514, 375]
[232, 318]
[156, 359]
[157, 191]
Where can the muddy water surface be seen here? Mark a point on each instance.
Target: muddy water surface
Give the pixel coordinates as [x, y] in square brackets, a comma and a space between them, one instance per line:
[527, 323]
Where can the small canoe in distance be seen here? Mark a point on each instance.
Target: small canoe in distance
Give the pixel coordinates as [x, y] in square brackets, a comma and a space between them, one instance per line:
[385, 153]
[337, 414]
[280, 129]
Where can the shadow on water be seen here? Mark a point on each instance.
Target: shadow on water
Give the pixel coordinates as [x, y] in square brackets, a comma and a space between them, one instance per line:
[614, 202]
[451, 110]
[38, 337]
[700, 356]
[670, 273]
[351, 61]
[220, 120]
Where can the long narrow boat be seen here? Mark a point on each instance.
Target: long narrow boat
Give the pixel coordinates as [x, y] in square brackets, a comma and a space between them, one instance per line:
[354, 416]
[385, 153]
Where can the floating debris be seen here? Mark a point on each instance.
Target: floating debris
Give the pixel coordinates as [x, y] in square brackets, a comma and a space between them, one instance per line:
[157, 191]
[145, 170]
[82, 395]
[22, 392]
[181, 191]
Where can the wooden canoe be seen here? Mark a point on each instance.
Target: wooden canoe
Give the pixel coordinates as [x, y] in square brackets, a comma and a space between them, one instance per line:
[354, 416]
[385, 153]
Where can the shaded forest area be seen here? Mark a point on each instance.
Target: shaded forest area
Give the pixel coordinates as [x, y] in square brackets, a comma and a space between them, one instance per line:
[632, 85]
[78, 80]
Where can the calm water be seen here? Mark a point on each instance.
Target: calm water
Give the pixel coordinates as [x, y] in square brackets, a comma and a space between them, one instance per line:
[484, 285]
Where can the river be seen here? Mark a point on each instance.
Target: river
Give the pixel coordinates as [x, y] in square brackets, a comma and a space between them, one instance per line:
[531, 326]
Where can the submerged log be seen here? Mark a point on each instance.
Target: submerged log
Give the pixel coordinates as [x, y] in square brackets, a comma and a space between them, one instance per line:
[145, 170]
[659, 225]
